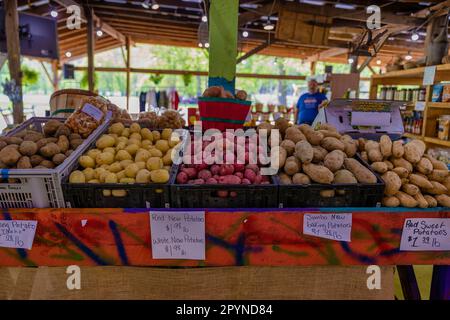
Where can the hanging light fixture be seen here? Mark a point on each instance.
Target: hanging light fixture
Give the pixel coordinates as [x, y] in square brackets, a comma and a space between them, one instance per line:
[155, 5]
[378, 62]
[408, 57]
[200, 45]
[54, 13]
[245, 34]
[145, 4]
[207, 45]
[68, 54]
[351, 60]
[414, 36]
[99, 32]
[268, 26]
[204, 18]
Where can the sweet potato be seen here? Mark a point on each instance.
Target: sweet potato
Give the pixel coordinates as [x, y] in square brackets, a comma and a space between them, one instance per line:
[414, 151]
[437, 165]
[386, 146]
[319, 174]
[379, 167]
[406, 200]
[437, 188]
[304, 151]
[292, 166]
[390, 202]
[446, 182]
[361, 173]
[398, 150]
[327, 193]
[282, 155]
[401, 162]
[392, 182]
[331, 144]
[438, 175]
[432, 202]
[327, 126]
[443, 200]
[420, 181]
[401, 172]
[300, 178]
[345, 177]
[410, 189]
[362, 144]
[334, 160]
[319, 154]
[330, 133]
[422, 202]
[424, 166]
[350, 147]
[364, 156]
[375, 155]
[284, 178]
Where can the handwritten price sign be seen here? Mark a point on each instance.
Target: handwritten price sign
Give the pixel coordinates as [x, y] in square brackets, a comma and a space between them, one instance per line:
[334, 226]
[426, 234]
[178, 235]
[17, 233]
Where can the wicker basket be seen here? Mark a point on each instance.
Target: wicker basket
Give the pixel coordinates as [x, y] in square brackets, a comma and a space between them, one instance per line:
[64, 102]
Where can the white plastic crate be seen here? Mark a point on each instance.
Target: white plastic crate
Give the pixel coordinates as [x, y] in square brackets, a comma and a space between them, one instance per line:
[41, 188]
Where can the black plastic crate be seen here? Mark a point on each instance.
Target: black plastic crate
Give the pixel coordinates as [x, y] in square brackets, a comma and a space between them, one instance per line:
[207, 195]
[346, 195]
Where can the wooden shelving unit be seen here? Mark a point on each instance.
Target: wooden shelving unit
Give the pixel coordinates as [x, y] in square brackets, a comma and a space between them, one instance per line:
[432, 110]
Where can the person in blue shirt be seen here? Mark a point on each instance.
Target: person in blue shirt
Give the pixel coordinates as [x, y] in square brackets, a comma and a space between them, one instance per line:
[308, 104]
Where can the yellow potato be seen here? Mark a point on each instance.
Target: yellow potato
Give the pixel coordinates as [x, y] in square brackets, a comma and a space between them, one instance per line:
[111, 178]
[123, 155]
[110, 150]
[116, 128]
[134, 141]
[146, 144]
[142, 155]
[93, 153]
[147, 134]
[136, 136]
[167, 159]
[131, 170]
[119, 193]
[105, 166]
[127, 180]
[166, 133]
[125, 163]
[174, 140]
[77, 177]
[143, 176]
[156, 135]
[156, 153]
[104, 158]
[105, 141]
[121, 145]
[107, 193]
[103, 176]
[126, 132]
[132, 149]
[94, 181]
[159, 176]
[115, 167]
[162, 145]
[98, 173]
[122, 139]
[141, 165]
[154, 163]
[89, 173]
[166, 168]
[86, 162]
[120, 174]
[135, 127]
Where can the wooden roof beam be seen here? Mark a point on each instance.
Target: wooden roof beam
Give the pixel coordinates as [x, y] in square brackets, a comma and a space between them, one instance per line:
[105, 27]
[327, 54]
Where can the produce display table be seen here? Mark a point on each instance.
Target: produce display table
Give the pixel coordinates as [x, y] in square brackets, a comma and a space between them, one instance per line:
[234, 237]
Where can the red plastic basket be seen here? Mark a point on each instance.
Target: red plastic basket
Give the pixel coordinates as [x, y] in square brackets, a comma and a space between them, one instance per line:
[223, 113]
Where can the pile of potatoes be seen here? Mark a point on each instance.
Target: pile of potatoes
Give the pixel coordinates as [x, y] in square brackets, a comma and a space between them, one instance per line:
[412, 178]
[29, 149]
[321, 156]
[128, 155]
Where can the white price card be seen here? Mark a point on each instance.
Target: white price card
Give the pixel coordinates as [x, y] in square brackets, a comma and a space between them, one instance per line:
[426, 234]
[428, 75]
[93, 111]
[178, 234]
[420, 106]
[334, 226]
[17, 233]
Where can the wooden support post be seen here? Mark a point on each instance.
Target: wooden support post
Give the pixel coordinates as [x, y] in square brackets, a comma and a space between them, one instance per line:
[55, 74]
[436, 42]
[223, 26]
[13, 48]
[312, 68]
[354, 65]
[128, 71]
[90, 47]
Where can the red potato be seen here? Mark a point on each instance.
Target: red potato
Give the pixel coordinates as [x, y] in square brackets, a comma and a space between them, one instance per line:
[252, 167]
[200, 167]
[212, 181]
[239, 167]
[250, 175]
[265, 179]
[222, 193]
[226, 169]
[258, 179]
[229, 179]
[191, 172]
[215, 169]
[245, 181]
[204, 174]
[233, 194]
[216, 176]
[182, 178]
[199, 181]
[239, 174]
